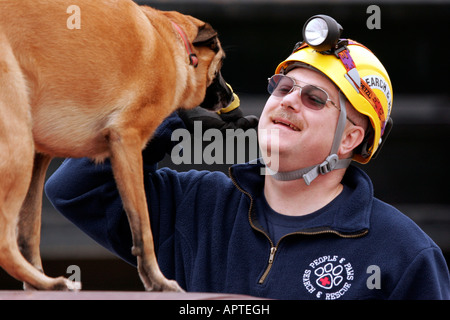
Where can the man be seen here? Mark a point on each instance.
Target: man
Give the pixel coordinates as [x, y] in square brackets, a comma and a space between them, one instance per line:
[307, 227]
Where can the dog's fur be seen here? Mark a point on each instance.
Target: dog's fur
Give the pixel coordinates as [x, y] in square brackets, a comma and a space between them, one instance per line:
[100, 92]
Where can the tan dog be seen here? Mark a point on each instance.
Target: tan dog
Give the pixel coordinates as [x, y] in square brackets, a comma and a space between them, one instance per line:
[92, 80]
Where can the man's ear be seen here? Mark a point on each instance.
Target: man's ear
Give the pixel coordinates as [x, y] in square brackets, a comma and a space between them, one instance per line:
[352, 137]
[205, 33]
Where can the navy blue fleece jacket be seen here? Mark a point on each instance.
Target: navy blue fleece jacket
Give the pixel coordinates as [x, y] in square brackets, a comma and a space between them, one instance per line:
[209, 237]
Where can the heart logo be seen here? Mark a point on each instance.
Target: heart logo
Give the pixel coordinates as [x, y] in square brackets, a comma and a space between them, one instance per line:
[325, 281]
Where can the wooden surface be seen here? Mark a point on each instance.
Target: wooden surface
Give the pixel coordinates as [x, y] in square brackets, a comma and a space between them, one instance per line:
[116, 295]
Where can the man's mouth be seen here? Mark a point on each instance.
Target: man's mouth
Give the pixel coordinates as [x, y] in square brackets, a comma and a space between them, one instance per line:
[286, 123]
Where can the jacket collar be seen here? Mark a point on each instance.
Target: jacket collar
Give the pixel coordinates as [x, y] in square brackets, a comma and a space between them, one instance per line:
[353, 218]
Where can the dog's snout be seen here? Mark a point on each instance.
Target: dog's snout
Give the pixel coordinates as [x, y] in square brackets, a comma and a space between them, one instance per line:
[228, 93]
[218, 95]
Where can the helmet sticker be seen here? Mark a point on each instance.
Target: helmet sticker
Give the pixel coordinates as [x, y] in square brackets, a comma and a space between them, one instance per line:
[377, 82]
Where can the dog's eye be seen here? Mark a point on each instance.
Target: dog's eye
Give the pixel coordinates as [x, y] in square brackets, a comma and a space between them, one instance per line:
[214, 45]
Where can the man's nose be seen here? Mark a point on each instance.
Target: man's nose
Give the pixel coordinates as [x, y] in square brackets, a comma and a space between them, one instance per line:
[293, 100]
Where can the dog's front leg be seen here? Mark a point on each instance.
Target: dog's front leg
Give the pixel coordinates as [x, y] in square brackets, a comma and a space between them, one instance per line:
[126, 161]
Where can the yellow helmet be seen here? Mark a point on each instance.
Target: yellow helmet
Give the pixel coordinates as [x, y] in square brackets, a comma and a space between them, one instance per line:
[360, 76]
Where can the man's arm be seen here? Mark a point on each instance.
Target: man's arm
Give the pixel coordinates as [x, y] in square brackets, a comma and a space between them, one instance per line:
[86, 194]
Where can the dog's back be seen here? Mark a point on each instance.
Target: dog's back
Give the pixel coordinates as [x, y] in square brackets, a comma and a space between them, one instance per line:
[74, 75]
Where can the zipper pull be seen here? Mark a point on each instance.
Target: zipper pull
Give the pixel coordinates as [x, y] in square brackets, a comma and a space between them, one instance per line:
[273, 250]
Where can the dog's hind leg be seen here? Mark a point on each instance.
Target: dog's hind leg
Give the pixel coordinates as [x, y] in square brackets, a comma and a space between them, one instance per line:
[16, 162]
[14, 263]
[126, 160]
[29, 226]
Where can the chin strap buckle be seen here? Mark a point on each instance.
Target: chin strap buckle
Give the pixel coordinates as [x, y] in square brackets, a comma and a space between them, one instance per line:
[329, 164]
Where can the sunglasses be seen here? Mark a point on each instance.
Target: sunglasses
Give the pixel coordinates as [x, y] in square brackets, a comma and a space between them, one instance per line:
[311, 96]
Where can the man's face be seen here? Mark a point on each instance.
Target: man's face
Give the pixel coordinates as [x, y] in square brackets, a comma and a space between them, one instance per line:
[305, 135]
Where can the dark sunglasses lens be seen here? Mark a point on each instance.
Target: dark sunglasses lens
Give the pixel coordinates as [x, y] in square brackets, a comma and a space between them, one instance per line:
[313, 97]
[280, 85]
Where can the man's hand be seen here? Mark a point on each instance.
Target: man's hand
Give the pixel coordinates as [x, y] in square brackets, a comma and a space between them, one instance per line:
[230, 117]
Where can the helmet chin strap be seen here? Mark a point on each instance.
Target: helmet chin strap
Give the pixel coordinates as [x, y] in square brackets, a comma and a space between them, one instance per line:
[332, 162]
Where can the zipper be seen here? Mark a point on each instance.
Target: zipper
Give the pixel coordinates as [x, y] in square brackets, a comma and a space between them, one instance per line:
[274, 248]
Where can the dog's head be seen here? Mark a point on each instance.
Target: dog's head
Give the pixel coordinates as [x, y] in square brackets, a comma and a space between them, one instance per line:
[211, 90]
[218, 94]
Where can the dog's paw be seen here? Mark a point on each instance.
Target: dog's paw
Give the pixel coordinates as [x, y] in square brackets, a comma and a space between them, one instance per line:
[73, 285]
[63, 284]
[164, 286]
[57, 284]
[171, 286]
[153, 279]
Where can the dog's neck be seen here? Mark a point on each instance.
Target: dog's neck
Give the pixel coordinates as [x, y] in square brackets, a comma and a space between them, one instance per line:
[193, 59]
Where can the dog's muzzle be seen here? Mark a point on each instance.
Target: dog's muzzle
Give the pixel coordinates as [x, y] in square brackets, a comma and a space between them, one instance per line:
[218, 95]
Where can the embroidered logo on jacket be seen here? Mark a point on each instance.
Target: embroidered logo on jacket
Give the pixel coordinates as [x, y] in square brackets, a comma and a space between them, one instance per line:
[328, 277]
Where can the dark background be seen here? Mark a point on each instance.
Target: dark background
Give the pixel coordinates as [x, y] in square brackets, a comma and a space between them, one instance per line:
[412, 171]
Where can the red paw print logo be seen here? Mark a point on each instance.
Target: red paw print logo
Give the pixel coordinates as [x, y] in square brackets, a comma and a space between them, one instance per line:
[329, 276]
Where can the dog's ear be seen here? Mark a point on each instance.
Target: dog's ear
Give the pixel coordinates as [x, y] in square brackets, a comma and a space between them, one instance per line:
[205, 35]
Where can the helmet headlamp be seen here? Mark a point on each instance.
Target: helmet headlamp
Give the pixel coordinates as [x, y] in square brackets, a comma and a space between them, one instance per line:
[322, 32]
